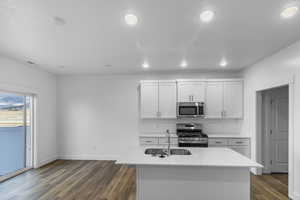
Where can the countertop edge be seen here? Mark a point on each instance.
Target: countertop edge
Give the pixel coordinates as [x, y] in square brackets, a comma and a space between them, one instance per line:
[189, 165]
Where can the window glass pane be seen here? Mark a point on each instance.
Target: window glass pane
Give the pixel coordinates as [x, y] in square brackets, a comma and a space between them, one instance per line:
[12, 133]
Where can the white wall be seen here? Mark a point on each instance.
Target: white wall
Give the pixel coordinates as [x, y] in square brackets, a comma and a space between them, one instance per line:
[98, 116]
[18, 77]
[273, 71]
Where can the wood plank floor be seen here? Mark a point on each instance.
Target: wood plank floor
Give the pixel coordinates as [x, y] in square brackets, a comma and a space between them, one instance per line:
[103, 180]
[273, 187]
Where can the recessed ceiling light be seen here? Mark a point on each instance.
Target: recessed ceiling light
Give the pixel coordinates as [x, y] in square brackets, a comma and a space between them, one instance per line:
[131, 19]
[289, 12]
[223, 63]
[183, 64]
[145, 65]
[108, 65]
[207, 16]
[59, 21]
[30, 62]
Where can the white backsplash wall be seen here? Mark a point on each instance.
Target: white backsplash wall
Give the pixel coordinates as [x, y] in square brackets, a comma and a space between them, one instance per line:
[98, 116]
[210, 126]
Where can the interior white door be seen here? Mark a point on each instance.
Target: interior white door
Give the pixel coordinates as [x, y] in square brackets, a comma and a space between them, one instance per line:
[214, 100]
[279, 132]
[233, 99]
[149, 99]
[167, 99]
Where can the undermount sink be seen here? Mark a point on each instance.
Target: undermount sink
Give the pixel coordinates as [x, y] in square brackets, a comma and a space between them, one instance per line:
[180, 152]
[160, 151]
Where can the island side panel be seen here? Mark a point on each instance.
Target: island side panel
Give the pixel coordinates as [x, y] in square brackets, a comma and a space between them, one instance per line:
[192, 183]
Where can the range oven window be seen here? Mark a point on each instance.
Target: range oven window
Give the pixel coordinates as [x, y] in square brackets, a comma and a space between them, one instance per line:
[187, 110]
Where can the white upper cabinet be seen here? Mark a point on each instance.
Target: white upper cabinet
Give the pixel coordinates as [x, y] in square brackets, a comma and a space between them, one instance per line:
[224, 99]
[149, 99]
[191, 91]
[214, 100]
[233, 99]
[158, 99]
[167, 99]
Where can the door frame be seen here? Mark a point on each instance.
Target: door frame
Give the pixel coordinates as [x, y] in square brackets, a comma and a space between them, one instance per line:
[7, 88]
[267, 126]
[259, 132]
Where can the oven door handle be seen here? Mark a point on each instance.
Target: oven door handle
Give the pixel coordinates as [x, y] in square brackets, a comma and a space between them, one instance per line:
[194, 142]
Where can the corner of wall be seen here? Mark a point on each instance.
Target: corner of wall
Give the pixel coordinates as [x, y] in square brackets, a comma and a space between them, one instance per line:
[45, 162]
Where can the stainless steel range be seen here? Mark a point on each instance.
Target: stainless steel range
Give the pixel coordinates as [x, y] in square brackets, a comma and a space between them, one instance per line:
[190, 135]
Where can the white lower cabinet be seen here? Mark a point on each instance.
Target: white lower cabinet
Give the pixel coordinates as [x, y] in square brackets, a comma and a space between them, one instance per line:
[148, 140]
[157, 140]
[217, 142]
[240, 145]
[164, 140]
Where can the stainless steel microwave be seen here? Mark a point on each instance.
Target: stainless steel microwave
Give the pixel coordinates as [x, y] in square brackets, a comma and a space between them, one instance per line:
[190, 109]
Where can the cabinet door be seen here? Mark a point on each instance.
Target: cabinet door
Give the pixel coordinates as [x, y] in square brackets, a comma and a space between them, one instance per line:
[198, 92]
[148, 140]
[214, 100]
[184, 92]
[149, 100]
[191, 91]
[167, 99]
[233, 99]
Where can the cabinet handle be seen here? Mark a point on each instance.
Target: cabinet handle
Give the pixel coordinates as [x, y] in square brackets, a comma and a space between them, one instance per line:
[192, 97]
[218, 142]
[239, 142]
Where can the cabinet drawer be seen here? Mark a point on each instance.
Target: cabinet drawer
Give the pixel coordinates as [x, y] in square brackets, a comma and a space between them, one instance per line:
[239, 142]
[149, 140]
[217, 142]
[163, 140]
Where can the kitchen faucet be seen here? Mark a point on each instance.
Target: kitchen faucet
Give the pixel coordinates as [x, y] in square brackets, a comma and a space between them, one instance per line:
[168, 135]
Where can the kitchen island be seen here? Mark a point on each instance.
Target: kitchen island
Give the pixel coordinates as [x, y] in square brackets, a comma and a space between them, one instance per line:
[207, 174]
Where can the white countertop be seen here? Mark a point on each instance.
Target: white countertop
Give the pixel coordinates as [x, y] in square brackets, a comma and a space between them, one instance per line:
[210, 157]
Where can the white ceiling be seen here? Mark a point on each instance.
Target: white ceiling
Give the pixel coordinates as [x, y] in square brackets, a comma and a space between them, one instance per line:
[168, 31]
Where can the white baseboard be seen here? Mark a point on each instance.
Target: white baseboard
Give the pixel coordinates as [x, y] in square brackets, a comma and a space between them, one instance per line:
[87, 157]
[296, 196]
[44, 162]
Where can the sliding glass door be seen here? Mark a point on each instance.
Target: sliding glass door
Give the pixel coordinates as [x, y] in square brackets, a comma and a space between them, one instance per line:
[15, 132]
